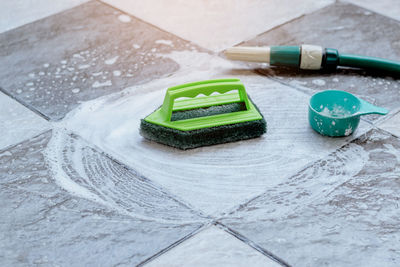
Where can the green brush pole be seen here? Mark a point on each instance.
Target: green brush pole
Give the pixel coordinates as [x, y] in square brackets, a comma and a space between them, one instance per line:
[310, 57]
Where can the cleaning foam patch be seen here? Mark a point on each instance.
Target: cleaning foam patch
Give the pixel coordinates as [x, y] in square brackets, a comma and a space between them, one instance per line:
[213, 178]
[86, 173]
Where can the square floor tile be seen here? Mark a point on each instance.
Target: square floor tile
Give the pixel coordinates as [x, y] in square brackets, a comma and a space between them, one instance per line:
[213, 247]
[341, 211]
[17, 122]
[216, 25]
[78, 207]
[80, 54]
[350, 29]
[19, 12]
[214, 178]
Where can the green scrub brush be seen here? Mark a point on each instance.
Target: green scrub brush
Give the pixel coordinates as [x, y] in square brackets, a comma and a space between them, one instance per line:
[187, 120]
[310, 57]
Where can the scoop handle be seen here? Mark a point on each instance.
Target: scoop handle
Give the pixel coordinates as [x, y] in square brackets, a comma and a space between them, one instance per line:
[367, 108]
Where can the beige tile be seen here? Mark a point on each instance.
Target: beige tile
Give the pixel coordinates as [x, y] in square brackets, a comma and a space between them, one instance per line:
[19, 12]
[217, 25]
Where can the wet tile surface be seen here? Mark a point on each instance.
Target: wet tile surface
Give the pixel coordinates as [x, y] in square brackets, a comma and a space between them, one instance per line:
[218, 24]
[17, 122]
[390, 8]
[336, 29]
[213, 247]
[94, 212]
[297, 197]
[342, 211]
[392, 125]
[81, 54]
[19, 12]
[216, 178]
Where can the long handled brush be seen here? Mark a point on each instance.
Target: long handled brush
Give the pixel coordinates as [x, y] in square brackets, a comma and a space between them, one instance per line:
[310, 57]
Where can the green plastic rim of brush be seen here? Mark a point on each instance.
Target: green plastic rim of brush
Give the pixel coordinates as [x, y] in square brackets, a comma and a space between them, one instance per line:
[337, 113]
[184, 97]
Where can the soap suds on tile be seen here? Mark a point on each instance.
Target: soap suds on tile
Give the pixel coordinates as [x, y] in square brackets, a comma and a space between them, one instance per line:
[98, 84]
[117, 73]
[124, 18]
[112, 123]
[111, 60]
[165, 42]
[86, 173]
[319, 82]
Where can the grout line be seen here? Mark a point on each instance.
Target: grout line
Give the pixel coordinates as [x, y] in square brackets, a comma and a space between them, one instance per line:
[10, 146]
[378, 124]
[389, 116]
[175, 244]
[252, 244]
[228, 230]
[206, 225]
[388, 132]
[306, 166]
[23, 103]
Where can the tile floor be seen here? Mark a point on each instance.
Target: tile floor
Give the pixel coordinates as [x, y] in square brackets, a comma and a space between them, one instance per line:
[81, 187]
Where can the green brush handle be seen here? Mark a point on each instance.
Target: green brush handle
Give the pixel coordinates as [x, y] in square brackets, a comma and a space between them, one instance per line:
[208, 87]
[162, 116]
[365, 62]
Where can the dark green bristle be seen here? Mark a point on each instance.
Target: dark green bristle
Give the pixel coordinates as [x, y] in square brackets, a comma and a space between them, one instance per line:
[206, 136]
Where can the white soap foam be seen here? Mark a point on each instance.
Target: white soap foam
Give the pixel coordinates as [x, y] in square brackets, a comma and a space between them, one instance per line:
[124, 18]
[112, 122]
[319, 82]
[5, 154]
[165, 42]
[98, 84]
[84, 66]
[88, 174]
[336, 111]
[111, 60]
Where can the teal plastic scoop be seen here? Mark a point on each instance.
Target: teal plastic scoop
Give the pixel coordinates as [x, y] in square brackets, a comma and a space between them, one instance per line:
[337, 113]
